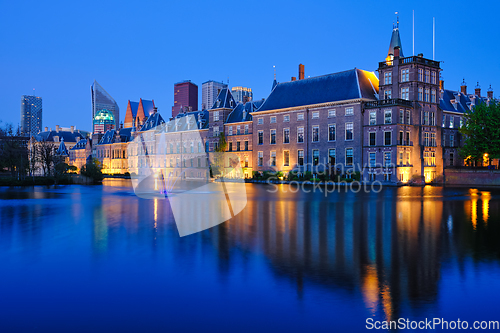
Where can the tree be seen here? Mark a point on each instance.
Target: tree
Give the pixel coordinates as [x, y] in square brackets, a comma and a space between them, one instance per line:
[46, 155]
[482, 132]
[13, 152]
[217, 158]
[92, 170]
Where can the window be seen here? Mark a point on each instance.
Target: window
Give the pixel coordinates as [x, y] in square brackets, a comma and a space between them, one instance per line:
[238, 146]
[349, 131]
[387, 159]
[407, 158]
[300, 134]
[286, 135]
[400, 142]
[315, 156]
[452, 140]
[388, 117]
[230, 132]
[433, 77]
[405, 75]
[331, 156]
[178, 148]
[261, 138]
[387, 138]
[429, 158]
[427, 72]
[388, 94]
[373, 139]
[216, 145]
[238, 130]
[433, 118]
[421, 74]
[349, 159]
[372, 159]
[199, 146]
[452, 159]
[426, 118]
[246, 129]
[300, 116]
[433, 139]
[246, 145]
[426, 95]
[349, 111]
[408, 138]
[260, 158]
[401, 116]
[216, 130]
[426, 139]
[387, 77]
[420, 94]
[405, 93]
[461, 122]
[373, 117]
[331, 113]
[300, 157]
[260, 121]
[286, 118]
[286, 158]
[315, 115]
[451, 121]
[272, 161]
[331, 132]
[408, 117]
[315, 134]
[216, 115]
[273, 137]
[246, 161]
[273, 119]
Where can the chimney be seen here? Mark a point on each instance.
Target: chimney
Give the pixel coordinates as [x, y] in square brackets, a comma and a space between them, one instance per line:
[72, 129]
[301, 72]
[441, 84]
[155, 109]
[294, 78]
[490, 92]
[463, 87]
[477, 90]
[396, 52]
[57, 128]
[46, 129]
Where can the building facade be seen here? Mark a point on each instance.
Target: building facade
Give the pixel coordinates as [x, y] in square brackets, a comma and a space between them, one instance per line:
[242, 94]
[209, 92]
[31, 115]
[102, 100]
[185, 97]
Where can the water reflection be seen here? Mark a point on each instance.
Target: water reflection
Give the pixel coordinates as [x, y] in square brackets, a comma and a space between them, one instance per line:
[384, 252]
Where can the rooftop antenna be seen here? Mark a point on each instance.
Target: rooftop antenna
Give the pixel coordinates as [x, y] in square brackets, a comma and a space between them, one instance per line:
[433, 38]
[397, 20]
[34, 94]
[274, 68]
[413, 32]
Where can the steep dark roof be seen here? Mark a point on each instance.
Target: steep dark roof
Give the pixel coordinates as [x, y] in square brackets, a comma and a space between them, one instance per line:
[224, 100]
[62, 150]
[180, 122]
[395, 41]
[242, 112]
[80, 145]
[133, 107]
[108, 137]
[461, 103]
[153, 121]
[148, 107]
[67, 136]
[351, 84]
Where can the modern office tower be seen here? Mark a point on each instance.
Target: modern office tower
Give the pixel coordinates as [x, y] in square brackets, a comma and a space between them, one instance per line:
[185, 97]
[31, 115]
[242, 94]
[102, 100]
[209, 92]
[103, 121]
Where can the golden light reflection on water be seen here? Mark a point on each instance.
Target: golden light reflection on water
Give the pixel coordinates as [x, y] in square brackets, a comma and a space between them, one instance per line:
[485, 198]
[369, 288]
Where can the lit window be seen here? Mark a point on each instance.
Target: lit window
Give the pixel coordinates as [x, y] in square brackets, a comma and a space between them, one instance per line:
[349, 111]
[315, 115]
[286, 158]
[286, 135]
[272, 161]
[273, 137]
[349, 131]
[315, 133]
[331, 113]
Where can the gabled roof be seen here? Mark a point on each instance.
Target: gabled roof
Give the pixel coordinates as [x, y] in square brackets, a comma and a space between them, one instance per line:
[148, 106]
[224, 100]
[351, 84]
[80, 145]
[108, 137]
[242, 112]
[395, 41]
[153, 121]
[180, 122]
[67, 136]
[62, 150]
[456, 101]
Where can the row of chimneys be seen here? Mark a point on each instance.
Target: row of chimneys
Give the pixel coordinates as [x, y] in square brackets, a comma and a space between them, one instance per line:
[477, 90]
[301, 73]
[58, 128]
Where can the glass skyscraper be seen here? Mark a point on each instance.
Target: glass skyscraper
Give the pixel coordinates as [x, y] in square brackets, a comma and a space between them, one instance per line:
[31, 115]
[101, 100]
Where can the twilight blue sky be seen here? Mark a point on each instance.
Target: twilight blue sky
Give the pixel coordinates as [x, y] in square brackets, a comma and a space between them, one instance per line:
[141, 48]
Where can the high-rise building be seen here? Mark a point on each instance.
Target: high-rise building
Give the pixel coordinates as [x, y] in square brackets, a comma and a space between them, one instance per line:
[209, 92]
[101, 100]
[185, 97]
[31, 115]
[242, 94]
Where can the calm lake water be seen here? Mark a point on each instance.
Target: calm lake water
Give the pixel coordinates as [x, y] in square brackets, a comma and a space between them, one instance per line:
[98, 258]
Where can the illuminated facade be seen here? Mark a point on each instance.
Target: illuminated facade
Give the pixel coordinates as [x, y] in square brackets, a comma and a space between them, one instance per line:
[31, 115]
[102, 100]
[104, 121]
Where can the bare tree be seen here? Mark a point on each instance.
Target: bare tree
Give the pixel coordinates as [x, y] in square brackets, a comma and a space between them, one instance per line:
[46, 155]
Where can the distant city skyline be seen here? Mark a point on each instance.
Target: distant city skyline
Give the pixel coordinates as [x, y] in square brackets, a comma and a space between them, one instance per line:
[63, 61]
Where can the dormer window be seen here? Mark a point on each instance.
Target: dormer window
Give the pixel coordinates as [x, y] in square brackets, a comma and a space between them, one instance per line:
[217, 104]
[231, 103]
